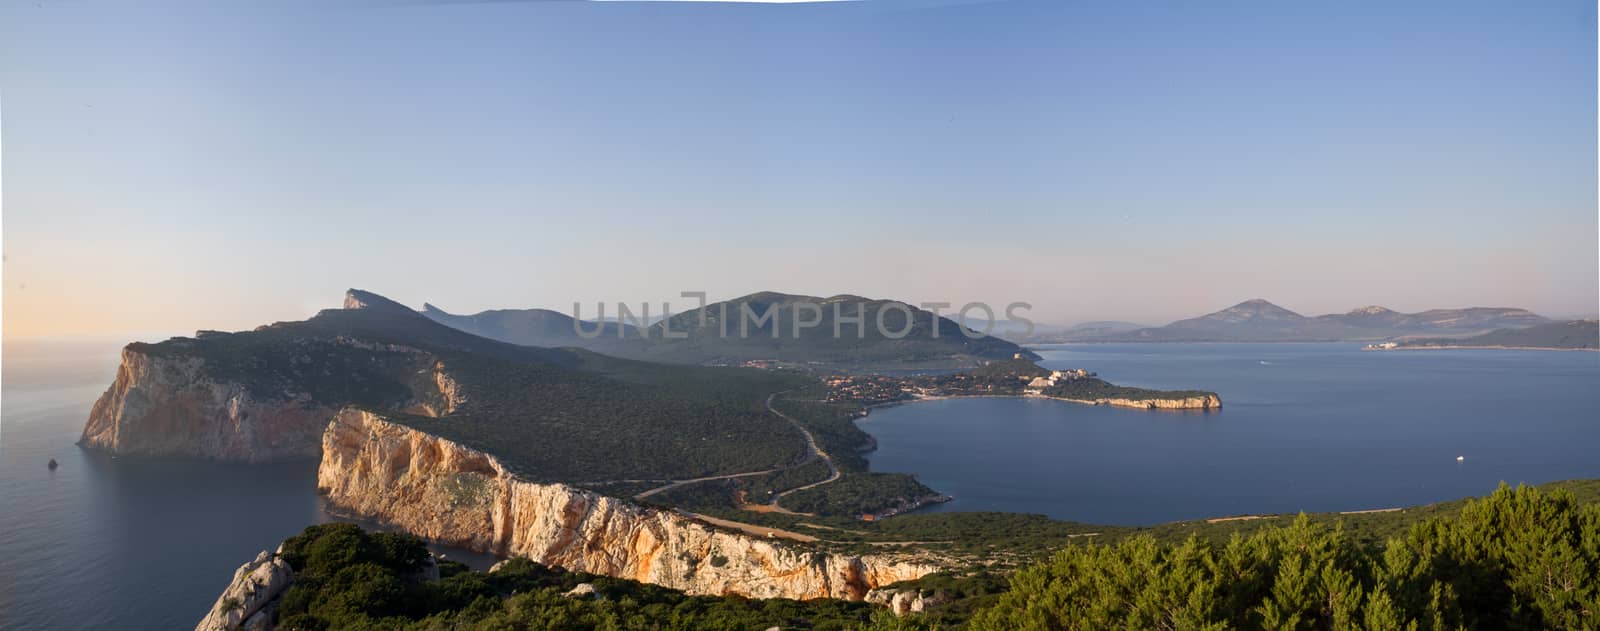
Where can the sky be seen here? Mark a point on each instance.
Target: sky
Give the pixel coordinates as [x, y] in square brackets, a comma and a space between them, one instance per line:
[178, 166]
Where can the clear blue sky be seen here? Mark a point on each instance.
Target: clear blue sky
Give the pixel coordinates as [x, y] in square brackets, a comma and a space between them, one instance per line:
[222, 164]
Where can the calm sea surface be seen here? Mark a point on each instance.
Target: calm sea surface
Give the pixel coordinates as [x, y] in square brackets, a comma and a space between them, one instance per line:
[1313, 427]
[117, 543]
[121, 543]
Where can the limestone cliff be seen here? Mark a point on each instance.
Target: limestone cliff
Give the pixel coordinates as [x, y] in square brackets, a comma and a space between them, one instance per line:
[441, 490]
[185, 398]
[172, 405]
[251, 598]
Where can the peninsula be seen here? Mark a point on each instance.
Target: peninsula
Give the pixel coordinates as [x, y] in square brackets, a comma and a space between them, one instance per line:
[1572, 335]
[666, 474]
[1016, 377]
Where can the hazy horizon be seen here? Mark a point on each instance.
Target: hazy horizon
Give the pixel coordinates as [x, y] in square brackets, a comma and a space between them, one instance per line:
[679, 305]
[173, 167]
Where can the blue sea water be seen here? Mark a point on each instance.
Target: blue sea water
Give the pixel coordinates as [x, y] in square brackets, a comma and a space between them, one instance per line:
[125, 543]
[120, 543]
[1304, 427]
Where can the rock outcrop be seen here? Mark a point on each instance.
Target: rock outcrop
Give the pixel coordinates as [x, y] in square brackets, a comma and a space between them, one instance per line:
[443, 491]
[172, 405]
[250, 601]
[1205, 402]
[903, 602]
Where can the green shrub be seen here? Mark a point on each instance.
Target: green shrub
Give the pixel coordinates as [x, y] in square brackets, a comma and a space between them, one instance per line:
[1519, 559]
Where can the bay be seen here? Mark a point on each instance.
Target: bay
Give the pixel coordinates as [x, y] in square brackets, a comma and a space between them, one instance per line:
[1304, 427]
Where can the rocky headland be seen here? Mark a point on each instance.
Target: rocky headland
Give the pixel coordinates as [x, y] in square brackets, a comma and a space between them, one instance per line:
[1206, 401]
[177, 399]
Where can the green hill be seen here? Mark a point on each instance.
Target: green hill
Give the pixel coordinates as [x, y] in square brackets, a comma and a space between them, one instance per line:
[530, 327]
[763, 326]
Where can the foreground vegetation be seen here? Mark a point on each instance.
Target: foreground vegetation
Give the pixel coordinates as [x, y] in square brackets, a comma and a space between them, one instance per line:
[1527, 558]
[345, 578]
[1519, 559]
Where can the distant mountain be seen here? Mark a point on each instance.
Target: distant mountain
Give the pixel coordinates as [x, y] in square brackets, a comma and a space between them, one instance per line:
[930, 340]
[1574, 334]
[734, 331]
[1048, 334]
[1109, 326]
[527, 327]
[1260, 321]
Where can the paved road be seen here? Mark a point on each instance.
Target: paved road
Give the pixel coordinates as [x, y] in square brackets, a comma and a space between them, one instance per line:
[812, 452]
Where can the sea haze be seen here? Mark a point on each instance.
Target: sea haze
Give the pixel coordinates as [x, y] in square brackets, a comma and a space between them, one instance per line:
[1304, 427]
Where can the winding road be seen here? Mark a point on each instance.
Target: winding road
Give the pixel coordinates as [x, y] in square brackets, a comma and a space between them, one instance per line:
[812, 453]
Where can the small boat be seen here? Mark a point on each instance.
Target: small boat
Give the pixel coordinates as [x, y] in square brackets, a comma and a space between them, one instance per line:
[53, 464]
[1460, 458]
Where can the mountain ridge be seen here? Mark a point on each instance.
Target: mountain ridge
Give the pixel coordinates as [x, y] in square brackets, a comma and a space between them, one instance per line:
[1259, 320]
[737, 331]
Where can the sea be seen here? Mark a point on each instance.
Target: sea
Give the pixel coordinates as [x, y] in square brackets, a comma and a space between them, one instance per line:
[1303, 427]
[124, 543]
[129, 543]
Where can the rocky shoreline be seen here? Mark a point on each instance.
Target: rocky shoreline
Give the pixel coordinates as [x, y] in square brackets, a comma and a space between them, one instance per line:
[1208, 402]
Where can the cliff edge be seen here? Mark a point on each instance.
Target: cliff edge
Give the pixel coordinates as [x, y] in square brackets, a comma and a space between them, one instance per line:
[440, 490]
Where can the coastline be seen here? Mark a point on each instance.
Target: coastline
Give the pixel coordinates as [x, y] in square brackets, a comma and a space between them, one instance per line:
[1461, 347]
[1132, 404]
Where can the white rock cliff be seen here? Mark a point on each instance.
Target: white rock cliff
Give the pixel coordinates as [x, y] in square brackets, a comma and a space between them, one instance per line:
[441, 490]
